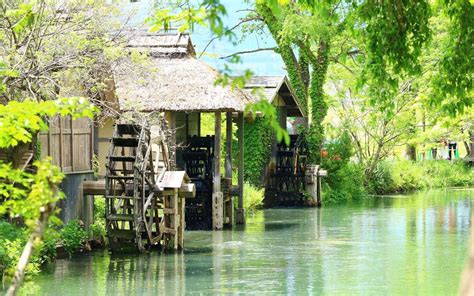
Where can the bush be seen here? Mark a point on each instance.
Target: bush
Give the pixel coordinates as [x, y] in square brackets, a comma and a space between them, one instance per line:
[346, 184]
[97, 230]
[345, 180]
[73, 236]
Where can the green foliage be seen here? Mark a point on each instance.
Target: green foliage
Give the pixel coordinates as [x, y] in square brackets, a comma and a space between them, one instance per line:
[8, 234]
[73, 236]
[271, 117]
[394, 33]
[97, 230]
[257, 149]
[452, 84]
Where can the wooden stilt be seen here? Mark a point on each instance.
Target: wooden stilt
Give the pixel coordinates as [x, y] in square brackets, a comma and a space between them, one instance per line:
[228, 199]
[240, 217]
[217, 197]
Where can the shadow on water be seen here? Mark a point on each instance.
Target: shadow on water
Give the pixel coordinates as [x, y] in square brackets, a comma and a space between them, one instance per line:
[278, 226]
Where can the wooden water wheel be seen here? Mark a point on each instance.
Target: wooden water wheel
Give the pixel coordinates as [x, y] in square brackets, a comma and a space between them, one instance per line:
[131, 199]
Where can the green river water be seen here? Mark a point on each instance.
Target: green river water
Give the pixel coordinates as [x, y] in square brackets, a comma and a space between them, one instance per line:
[399, 245]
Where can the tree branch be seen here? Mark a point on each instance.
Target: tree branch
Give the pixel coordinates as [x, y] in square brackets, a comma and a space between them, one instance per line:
[249, 51]
[242, 21]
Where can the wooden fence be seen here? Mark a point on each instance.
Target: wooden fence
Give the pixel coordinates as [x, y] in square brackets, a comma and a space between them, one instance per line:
[70, 143]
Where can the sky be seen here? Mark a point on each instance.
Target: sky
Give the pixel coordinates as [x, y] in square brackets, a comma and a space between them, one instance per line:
[260, 63]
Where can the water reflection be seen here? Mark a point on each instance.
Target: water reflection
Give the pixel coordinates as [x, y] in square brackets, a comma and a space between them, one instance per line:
[415, 245]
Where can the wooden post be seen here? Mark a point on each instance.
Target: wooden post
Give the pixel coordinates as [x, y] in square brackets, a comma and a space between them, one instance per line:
[319, 202]
[240, 135]
[228, 154]
[217, 197]
[228, 203]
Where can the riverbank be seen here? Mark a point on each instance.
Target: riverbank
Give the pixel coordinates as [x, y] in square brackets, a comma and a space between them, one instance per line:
[348, 182]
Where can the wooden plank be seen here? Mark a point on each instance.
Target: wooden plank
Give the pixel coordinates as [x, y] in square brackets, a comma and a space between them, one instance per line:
[61, 163]
[50, 139]
[72, 142]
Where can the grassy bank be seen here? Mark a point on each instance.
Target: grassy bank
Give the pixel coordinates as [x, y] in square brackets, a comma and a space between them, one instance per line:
[349, 183]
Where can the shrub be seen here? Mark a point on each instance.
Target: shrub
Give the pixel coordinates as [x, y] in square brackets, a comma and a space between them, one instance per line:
[347, 184]
[73, 236]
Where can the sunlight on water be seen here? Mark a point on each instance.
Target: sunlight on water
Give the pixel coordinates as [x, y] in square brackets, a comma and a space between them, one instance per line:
[402, 246]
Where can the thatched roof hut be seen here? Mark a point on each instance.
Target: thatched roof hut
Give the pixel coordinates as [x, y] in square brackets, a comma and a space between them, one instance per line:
[172, 79]
[275, 88]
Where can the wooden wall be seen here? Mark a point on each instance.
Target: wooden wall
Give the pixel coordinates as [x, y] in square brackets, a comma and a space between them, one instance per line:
[70, 143]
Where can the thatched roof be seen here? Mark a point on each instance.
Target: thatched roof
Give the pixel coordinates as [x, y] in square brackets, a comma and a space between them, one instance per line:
[274, 87]
[172, 79]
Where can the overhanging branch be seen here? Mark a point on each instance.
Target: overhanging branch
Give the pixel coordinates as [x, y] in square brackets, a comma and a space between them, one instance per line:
[249, 51]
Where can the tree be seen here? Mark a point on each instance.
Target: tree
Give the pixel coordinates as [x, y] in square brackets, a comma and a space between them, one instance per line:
[50, 52]
[374, 131]
[50, 48]
[32, 197]
[386, 38]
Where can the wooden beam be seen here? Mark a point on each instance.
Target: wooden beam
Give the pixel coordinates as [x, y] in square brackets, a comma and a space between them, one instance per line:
[228, 152]
[240, 137]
